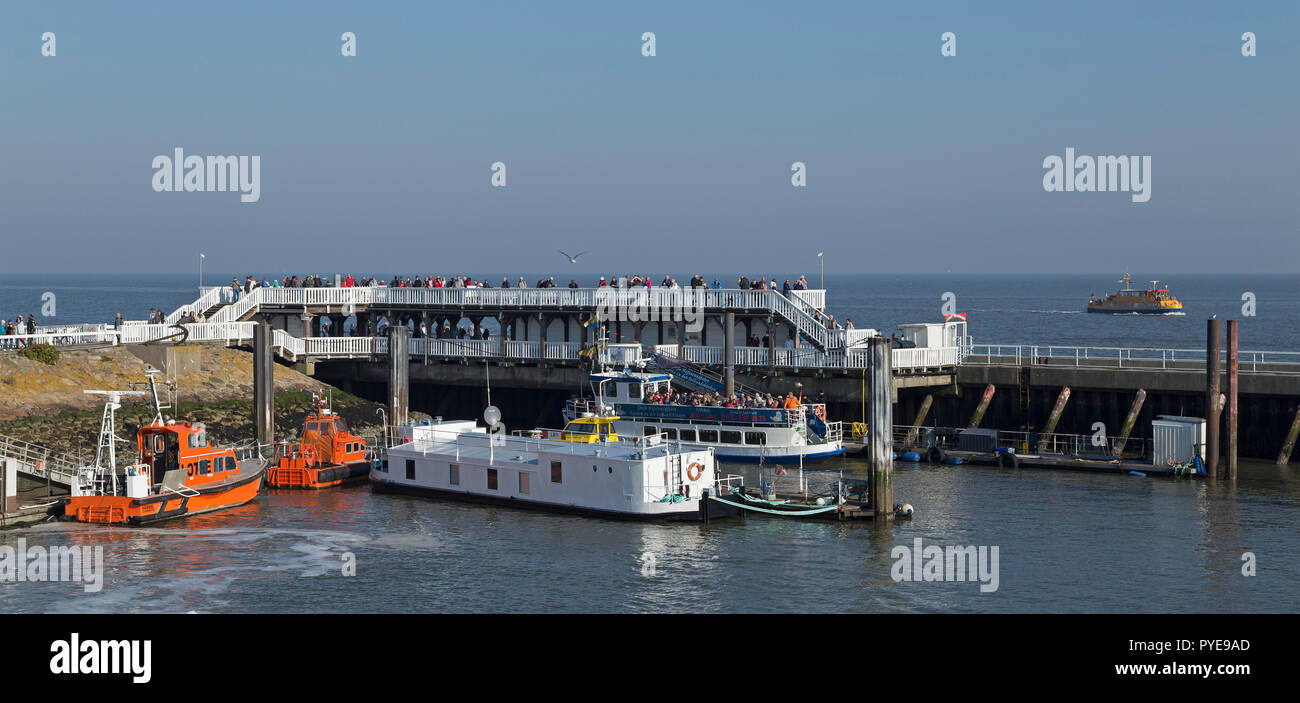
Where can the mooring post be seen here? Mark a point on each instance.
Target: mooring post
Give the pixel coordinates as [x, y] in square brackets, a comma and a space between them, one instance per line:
[1129, 421]
[920, 418]
[9, 477]
[1061, 399]
[1213, 333]
[983, 406]
[729, 353]
[399, 374]
[263, 384]
[880, 428]
[1288, 444]
[1231, 459]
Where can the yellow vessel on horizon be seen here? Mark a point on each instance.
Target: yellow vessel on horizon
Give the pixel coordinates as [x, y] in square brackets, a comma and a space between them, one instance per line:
[1131, 301]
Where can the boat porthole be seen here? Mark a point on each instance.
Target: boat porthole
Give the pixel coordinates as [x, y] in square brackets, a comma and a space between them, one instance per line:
[593, 467]
[611, 469]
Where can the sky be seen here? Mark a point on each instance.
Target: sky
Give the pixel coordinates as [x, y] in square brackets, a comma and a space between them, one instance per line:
[914, 161]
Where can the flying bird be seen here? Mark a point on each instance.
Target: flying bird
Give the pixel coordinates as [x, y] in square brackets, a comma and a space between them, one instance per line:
[572, 259]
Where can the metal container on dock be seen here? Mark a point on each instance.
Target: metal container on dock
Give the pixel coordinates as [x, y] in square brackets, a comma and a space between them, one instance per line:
[1177, 439]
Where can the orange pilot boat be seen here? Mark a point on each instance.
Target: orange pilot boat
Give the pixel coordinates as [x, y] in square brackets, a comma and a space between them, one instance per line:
[175, 472]
[326, 455]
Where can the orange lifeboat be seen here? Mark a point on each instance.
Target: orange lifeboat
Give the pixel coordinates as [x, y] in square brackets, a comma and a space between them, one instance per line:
[326, 455]
[175, 473]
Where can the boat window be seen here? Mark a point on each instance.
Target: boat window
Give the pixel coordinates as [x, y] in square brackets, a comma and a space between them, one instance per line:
[410, 469]
[634, 390]
[687, 435]
[557, 472]
[340, 425]
[755, 438]
[231, 464]
[159, 444]
[651, 430]
[313, 427]
[453, 474]
[730, 437]
[523, 482]
[205, 466]
[671, 432]
[708, 435]
[492, 479]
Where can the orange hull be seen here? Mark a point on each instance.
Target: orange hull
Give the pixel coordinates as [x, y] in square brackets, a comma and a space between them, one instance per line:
[316, 477]
[140, 511]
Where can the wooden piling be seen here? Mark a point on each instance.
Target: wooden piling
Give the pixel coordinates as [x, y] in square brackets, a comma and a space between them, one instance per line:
[1213, 333]
[920, 418]
[1129, 421]
[880, 420]
[1288, 444]
[263, 384]
[983, 406]
[729, 353]
[399, 374]
[1061, 399]
[1233, 385]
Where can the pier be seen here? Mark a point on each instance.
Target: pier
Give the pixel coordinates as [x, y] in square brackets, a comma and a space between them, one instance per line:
[539, 341]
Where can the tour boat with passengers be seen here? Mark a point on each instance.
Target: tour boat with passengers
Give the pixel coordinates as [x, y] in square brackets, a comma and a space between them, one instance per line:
[795, 432]
[327, 454]
[1131, 301]
[647, 478]
[175, 472]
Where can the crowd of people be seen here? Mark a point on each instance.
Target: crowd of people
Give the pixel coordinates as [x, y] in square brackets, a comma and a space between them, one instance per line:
[634, 281]
[741, 400]
[17, 326]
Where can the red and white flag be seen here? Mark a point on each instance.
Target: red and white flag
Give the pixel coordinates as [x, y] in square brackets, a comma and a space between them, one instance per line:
[949, 317]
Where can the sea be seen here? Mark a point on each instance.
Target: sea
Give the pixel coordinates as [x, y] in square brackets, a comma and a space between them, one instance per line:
[1065, 541]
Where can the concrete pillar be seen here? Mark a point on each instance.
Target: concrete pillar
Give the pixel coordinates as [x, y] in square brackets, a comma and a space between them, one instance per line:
[263, 384]
[1233, 385]
[1212, 369]
[399, 370]
[880, 428]
[729, 353]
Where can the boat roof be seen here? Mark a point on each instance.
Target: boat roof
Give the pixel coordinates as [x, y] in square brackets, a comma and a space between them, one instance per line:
[491, 449]
[628, 376]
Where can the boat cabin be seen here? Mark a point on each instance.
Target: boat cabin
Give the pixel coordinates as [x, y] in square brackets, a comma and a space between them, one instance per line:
[171, 446]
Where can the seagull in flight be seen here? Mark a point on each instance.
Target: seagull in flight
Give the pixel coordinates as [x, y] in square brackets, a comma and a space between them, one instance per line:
[572, 259]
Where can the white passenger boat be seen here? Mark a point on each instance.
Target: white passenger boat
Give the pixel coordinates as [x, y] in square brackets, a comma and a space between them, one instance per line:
[755, 435]
[649, 478]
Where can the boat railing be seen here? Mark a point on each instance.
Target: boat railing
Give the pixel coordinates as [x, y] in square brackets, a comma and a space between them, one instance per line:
[1027, 442]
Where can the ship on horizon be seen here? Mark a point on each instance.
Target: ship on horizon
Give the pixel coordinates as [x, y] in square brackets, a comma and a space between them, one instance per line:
[1131, 301]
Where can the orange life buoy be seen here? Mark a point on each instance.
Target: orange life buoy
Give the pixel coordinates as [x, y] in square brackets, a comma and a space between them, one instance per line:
[309, 454]
[820, 412]
[695, 471]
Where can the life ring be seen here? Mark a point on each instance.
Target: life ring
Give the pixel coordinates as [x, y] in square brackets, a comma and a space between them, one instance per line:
[309, 455]
[820, 412]
[695, 471]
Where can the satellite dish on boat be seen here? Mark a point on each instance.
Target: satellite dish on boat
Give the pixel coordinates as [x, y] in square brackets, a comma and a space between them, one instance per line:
[491, 415]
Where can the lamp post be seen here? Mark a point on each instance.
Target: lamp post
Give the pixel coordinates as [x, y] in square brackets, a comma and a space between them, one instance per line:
[821, 269]
[201, 258]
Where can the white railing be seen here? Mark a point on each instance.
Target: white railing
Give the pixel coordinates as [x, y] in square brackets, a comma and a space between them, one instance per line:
[207, 298]
[1126, 357]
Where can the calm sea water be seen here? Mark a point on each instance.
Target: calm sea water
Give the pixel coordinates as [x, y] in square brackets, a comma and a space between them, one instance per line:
[1067, 542]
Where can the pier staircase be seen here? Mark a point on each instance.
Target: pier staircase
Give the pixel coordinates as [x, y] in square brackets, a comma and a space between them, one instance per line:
[40, 462]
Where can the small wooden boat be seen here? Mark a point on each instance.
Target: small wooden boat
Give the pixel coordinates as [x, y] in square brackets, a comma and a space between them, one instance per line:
[175, 472]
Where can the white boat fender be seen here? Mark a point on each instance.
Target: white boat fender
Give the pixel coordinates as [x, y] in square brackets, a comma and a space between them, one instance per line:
[903, 509]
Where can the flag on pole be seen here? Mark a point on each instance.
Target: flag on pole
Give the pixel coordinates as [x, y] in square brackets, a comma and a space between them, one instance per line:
[948, 317]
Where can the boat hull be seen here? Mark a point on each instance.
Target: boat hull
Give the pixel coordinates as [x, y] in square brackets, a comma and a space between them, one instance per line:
[317, 477]
[809, 457]
[122, 510]
[715, 510]
[1153, 311]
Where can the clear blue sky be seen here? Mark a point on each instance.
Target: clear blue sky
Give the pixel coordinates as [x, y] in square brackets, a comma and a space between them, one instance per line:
[677, 162]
